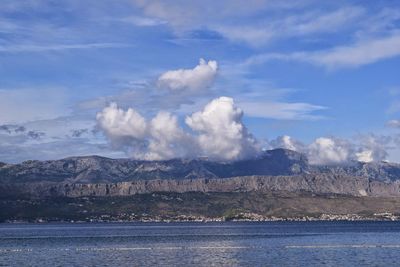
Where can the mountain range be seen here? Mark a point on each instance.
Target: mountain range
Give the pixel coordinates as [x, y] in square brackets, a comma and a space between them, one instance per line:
[274, 170]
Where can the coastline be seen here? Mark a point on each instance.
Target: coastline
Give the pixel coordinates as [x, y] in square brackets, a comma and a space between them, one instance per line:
[201, 207]
[243, 217]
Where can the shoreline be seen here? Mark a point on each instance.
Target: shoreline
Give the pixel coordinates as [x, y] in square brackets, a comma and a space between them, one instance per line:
[240, 218]
[201, 207]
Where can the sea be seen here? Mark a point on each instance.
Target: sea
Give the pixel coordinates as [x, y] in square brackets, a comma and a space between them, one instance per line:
[201, 244]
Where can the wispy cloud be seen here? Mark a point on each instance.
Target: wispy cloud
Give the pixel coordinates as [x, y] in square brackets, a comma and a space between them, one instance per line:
[59, 47]
[282, 110]
[21, 105]
[354, 55]
[393, 124]
[54, 150]
[142, 21]
[267, 30]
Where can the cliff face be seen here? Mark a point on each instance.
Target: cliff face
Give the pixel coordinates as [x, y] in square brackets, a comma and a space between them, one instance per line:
[275, 170]
[318, 184]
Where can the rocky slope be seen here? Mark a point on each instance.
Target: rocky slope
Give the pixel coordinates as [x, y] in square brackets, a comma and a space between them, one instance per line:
[95, 169]
[314, 183]
[376, 171]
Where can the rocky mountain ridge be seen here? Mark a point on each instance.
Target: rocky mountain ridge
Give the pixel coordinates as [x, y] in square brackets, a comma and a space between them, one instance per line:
[274, 170]
[95, 169]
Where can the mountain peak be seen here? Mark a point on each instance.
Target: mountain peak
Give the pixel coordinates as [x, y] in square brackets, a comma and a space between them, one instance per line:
[283, 153]
[97, 169]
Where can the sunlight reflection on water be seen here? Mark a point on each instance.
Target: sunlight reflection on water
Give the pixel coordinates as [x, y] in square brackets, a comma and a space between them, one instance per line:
[211, 244]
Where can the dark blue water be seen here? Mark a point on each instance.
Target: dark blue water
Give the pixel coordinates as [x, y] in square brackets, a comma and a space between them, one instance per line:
[201, 244]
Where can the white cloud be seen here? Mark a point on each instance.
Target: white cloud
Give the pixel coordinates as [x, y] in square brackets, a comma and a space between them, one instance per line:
[358, 54]
[322, 151]
[200, 77]
[185, 15]
[373, 148]
[254, 36]
[354, 55]
[335, 151]
[58, 47]
[142, 21]
[287, 142]
[43, 34]
[167, 140]
[255, 22]
[323, 22]
[128, 130]
[218, 132]
[393, 123]
[327, 151]
[222, 135]
[281, 110]
[260, 33]
[118, 123]
[365, 156]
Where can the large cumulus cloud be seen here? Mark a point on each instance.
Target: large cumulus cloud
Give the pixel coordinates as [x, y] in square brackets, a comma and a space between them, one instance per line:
[222, 133]
[167, 139]
[216, 132]
[120, 124]
[159, 138]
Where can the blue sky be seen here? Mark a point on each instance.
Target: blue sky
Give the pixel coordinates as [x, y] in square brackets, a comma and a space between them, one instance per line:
[308, 69]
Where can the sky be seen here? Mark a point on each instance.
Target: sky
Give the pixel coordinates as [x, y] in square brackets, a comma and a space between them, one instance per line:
[223, 79]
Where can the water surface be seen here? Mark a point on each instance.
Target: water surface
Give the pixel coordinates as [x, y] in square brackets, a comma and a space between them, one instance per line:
[201, 244]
